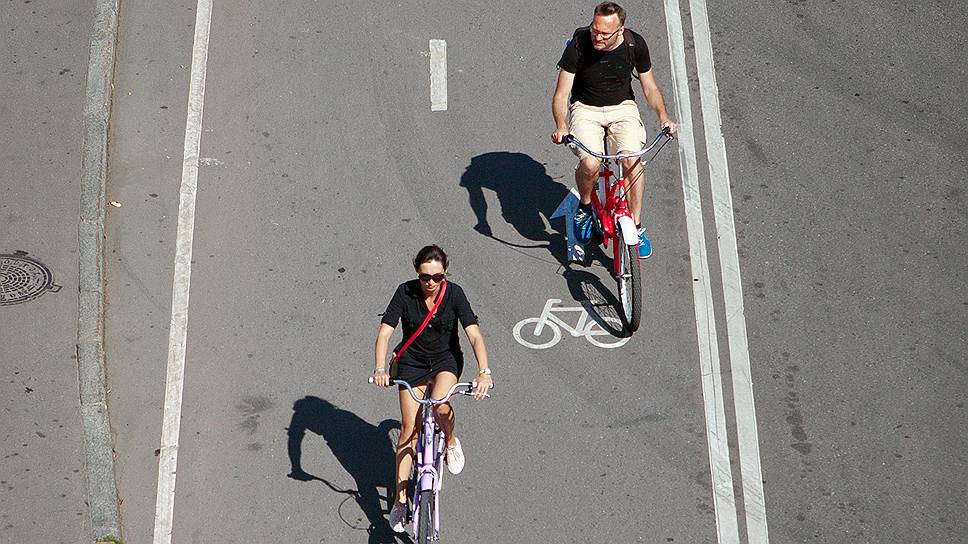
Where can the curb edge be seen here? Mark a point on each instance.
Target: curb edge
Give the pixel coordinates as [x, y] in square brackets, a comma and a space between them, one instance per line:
[102, 490]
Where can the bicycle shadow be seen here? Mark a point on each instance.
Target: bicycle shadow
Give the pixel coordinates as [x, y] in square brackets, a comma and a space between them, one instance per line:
[365, 452]
[525, 192]
[588, 290]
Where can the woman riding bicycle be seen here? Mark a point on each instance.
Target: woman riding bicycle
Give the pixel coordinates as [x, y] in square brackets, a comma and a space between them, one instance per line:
[434, 357]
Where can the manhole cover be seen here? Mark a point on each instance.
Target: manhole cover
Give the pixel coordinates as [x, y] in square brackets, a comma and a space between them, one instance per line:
[23, 279]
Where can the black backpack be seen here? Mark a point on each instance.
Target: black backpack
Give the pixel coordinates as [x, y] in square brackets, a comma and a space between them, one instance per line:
[626, 36]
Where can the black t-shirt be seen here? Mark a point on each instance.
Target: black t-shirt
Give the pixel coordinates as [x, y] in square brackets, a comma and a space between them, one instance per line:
[603, 78]
[440, 336]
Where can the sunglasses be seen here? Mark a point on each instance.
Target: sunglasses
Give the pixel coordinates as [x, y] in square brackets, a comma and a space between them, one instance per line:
[427, 277]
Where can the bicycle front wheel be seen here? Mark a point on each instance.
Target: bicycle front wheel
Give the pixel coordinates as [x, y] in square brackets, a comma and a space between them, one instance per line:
[425, 527]
[630, 285]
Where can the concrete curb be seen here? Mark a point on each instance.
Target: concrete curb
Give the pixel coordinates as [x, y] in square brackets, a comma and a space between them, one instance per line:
[102, 490]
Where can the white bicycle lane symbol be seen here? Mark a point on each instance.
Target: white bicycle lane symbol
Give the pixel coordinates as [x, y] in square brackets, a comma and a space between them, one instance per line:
[531, 337]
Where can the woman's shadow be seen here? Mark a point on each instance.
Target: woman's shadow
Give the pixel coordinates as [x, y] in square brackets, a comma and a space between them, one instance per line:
[365, 451]
[525, 192]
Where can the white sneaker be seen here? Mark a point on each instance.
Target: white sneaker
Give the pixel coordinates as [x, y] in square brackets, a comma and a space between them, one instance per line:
[455, 458]
[397, 515]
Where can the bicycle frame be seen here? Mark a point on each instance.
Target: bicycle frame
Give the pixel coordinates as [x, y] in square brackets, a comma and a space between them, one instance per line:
[429, 457]
[613, 214]
[610, 212]
[428, 460]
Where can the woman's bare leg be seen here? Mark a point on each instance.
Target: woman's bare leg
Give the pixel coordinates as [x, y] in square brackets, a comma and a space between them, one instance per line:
[443, 381]
[409, 413]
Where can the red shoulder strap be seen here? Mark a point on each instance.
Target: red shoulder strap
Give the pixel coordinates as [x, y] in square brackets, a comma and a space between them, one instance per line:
[440, 298]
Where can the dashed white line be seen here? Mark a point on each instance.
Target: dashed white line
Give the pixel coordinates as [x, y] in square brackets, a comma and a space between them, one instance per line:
[724, 502]
[438, 75]
[168, 456]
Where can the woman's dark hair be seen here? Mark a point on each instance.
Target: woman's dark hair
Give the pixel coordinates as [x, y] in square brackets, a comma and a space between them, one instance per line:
[428, 254]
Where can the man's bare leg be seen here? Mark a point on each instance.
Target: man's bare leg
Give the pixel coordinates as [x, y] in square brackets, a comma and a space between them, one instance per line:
[635, 183]
[585, 177]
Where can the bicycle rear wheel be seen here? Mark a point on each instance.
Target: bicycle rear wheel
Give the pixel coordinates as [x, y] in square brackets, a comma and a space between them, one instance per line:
[425, 528]
[629, 285]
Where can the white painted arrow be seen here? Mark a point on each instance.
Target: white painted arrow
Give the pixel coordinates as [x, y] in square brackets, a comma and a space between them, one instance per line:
[567, 209]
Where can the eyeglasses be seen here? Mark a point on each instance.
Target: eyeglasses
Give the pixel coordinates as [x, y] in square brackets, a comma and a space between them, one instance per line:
[605, 35]
[427, 277]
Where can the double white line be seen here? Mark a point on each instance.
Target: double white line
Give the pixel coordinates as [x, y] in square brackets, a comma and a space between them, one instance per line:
[749, 452]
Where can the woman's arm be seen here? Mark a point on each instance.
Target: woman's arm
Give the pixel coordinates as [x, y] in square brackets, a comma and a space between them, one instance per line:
[483, 381]
[381, 374]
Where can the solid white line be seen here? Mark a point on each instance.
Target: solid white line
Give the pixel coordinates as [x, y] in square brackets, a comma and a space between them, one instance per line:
[168, 458]
[724, 501]
[739, 357]
[438, 75]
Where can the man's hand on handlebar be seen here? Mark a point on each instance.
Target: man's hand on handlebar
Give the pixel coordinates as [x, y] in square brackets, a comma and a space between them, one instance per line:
[672, 126]
[558, 136]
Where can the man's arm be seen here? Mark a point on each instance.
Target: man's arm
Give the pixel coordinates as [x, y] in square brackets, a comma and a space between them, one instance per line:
[653, 97]
[559, 105]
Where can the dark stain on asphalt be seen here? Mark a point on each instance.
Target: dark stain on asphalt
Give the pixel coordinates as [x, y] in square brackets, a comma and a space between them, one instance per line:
[794, 417]
[251, 408]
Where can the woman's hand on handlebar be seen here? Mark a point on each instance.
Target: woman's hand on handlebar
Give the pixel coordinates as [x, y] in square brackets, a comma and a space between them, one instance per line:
[380, 377]
[482, 385]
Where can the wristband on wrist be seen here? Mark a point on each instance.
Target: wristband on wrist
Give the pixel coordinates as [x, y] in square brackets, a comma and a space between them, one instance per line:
[379, 369]
[484, 372]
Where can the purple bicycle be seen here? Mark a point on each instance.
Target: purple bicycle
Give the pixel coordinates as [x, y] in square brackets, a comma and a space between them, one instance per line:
[426, 476]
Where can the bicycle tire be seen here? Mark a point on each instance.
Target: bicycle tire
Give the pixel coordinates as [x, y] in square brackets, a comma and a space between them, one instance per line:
[425, 529]
[630, 286]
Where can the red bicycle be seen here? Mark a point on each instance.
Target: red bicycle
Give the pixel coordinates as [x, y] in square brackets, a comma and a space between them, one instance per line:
[614, 222]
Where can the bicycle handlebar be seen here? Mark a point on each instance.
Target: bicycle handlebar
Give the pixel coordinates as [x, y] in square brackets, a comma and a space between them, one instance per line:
[446, 398]
[663, 136]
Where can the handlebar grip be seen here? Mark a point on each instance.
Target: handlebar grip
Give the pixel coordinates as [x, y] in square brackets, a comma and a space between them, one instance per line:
[567, 139]
[370, 380]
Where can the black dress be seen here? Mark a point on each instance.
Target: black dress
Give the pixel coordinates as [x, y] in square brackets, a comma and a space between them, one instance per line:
[438, 346]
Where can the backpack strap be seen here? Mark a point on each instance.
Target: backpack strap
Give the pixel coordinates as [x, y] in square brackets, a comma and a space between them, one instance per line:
[630, 47]
[576, 41]
[440, 298]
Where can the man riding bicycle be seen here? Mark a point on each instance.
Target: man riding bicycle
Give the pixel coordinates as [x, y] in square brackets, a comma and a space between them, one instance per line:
[595, 70]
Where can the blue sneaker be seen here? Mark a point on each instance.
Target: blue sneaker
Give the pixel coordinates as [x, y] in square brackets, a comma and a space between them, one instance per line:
[584, 223]
[645, 246]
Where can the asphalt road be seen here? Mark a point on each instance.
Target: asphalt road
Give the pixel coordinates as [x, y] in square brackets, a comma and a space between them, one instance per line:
[323, 170]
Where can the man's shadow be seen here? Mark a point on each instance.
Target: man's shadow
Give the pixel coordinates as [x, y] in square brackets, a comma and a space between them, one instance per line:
[525, 192]
[365, 451]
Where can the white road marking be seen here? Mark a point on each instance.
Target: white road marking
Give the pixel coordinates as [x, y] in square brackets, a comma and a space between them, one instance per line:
[588, 327]
[567, 209]
[724, 501]
[739, 357]
[168, 457]
[438, 75]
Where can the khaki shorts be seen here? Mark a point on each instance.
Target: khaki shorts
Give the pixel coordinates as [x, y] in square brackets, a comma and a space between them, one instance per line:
[626, 133]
